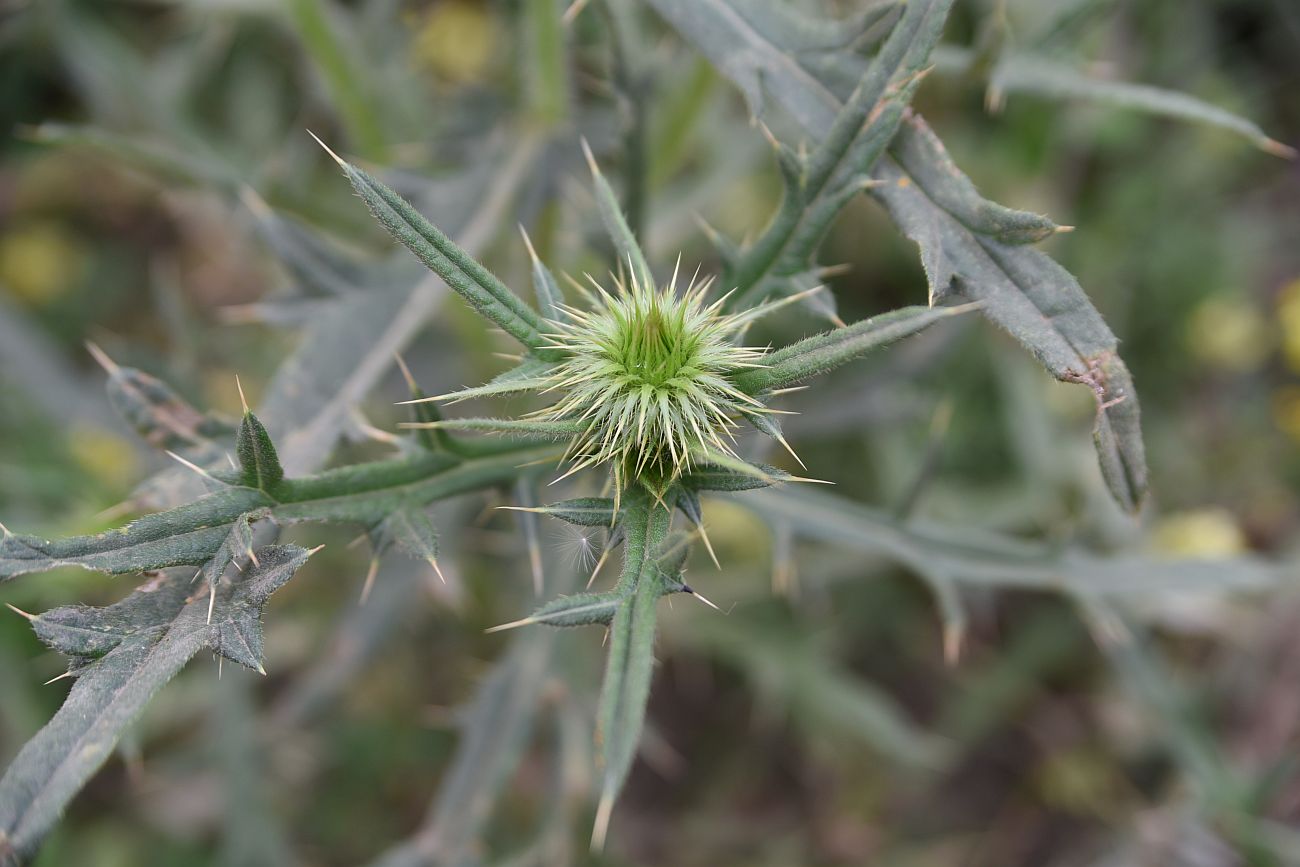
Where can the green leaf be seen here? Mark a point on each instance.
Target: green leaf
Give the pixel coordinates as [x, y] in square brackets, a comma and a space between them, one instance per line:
[550, 300]
[163, 419]
[257, 458]
[815, 355]
[986, 559]
[410, 529]
[817, 188]
[626, 687]
[527, 376]
[192, 534]
[717, 478]
[142, 643]
[488, 295]
[580, 609]
[919, 151]
[1041, 76]
[629, 250]
[1040, 304]
[1023, 289]
[516, 427]
[583, 511]
[626, 690]
[188, 535]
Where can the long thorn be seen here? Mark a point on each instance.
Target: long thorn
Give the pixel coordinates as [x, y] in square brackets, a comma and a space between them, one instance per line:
[371, 572]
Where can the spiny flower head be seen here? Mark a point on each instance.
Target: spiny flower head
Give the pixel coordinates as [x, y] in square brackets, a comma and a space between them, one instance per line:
[646, 373]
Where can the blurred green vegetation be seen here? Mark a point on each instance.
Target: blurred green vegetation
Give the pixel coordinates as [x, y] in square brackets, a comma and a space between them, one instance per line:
[145, 141]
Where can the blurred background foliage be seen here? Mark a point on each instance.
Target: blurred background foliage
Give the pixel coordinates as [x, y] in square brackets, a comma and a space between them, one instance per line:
[159, 196]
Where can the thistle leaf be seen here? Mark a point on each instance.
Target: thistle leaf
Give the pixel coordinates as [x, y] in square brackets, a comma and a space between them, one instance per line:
[1023, 289]
[162, 418]
[716, 478]
[580, 609]
[122, 656]
[616, 226]
[625, 691]
[257, 458]
[583, 511]
[1040, 76]
[524, 428]
[409, 529]
[188, 535]
[488, 295]
[919, 151]
[824, 352]
[528, 376]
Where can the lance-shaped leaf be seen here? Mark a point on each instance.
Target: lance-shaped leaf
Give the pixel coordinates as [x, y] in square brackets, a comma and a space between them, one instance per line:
[528, 376]
[1042, 76]
[237, 545]
[919, 151]
[515, 427]
[611, 214]
[410, 529]
[488, 295]
[162, 418]
[187, 535]
[580, 609]
[583, 511]
[123, 655]
[626, 687]
[824, 352]
[192, 534]
[550, 300]
[259, 464]
[716, 478]
[1036, 300]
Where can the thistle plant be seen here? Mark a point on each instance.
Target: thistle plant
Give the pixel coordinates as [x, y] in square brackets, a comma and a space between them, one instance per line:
[650, 388]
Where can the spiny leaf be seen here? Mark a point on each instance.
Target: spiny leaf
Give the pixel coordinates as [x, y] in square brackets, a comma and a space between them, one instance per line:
[1041, 304]
[716, 478]
[625, 692]
[580, 609]
[488, 295]
[1027, 73]
[192, 534]
[825, 352]
[626, 687]
[528, 376]
[187, 535]
[550, 300]
[410, 529]
[993, 560]
[611, 215]
[161, 417]
[552, 430]
[238, 544]
[919, 151]
[583, 511]
[144, 641]
[257, 458]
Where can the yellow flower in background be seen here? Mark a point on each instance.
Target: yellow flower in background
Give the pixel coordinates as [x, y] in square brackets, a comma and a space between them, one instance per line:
[1288, 317]
[455, 40]
[39, 262]
[1229, 334]
[1208, 533]
[107, 457]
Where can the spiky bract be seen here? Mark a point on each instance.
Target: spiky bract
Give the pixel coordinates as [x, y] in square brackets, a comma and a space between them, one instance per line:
[647, 371]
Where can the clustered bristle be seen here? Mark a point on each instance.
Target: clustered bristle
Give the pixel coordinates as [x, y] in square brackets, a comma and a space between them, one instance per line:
[647, 371]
